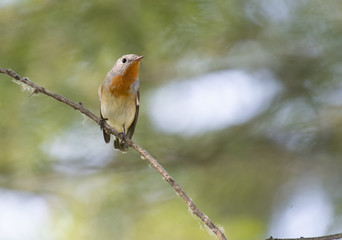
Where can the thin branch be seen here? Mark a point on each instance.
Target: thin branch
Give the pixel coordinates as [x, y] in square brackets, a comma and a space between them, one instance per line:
[327, 237]
[78, 106]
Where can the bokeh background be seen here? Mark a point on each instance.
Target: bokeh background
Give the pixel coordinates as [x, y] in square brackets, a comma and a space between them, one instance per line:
[240, 102]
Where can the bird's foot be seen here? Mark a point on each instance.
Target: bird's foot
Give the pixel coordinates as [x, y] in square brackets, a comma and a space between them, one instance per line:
[122, 136]
[102, 122]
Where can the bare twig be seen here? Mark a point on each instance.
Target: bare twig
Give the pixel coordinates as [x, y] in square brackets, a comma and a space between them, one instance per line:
[78, 106]
[327, 237]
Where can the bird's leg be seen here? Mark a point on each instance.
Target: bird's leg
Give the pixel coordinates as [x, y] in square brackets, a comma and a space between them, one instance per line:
[102, 122]
[122, 135]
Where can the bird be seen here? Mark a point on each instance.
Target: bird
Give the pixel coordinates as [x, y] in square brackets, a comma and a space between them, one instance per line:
[120, 99]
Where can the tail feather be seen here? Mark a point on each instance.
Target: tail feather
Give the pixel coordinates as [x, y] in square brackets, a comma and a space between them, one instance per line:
[121, 145]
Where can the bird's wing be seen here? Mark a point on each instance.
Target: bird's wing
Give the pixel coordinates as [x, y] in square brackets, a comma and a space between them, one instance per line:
[131, 129]
[106, 136]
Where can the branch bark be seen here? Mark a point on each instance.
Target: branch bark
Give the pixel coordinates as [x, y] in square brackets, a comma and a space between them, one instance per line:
[167, 177]
[327, 237]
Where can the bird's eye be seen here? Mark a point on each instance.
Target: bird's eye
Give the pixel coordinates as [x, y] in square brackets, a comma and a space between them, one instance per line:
[124, 60]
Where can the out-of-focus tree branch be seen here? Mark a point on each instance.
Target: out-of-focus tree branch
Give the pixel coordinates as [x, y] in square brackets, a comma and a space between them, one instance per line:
[78, 106]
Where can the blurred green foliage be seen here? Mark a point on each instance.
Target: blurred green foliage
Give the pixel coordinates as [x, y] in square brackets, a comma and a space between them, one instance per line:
[231, 174]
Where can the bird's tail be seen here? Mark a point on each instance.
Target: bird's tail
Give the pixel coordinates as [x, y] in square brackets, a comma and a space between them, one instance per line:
[121, 145]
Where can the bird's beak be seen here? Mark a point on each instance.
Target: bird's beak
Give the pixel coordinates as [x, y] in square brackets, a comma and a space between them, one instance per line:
[139, 58]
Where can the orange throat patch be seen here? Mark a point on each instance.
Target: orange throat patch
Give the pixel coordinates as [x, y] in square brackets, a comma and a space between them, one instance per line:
[121, 84]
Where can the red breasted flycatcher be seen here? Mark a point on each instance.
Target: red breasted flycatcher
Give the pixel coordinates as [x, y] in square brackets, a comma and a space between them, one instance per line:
[119, 97]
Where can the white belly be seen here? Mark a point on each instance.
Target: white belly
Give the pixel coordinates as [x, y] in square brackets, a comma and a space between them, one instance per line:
[120, 113]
